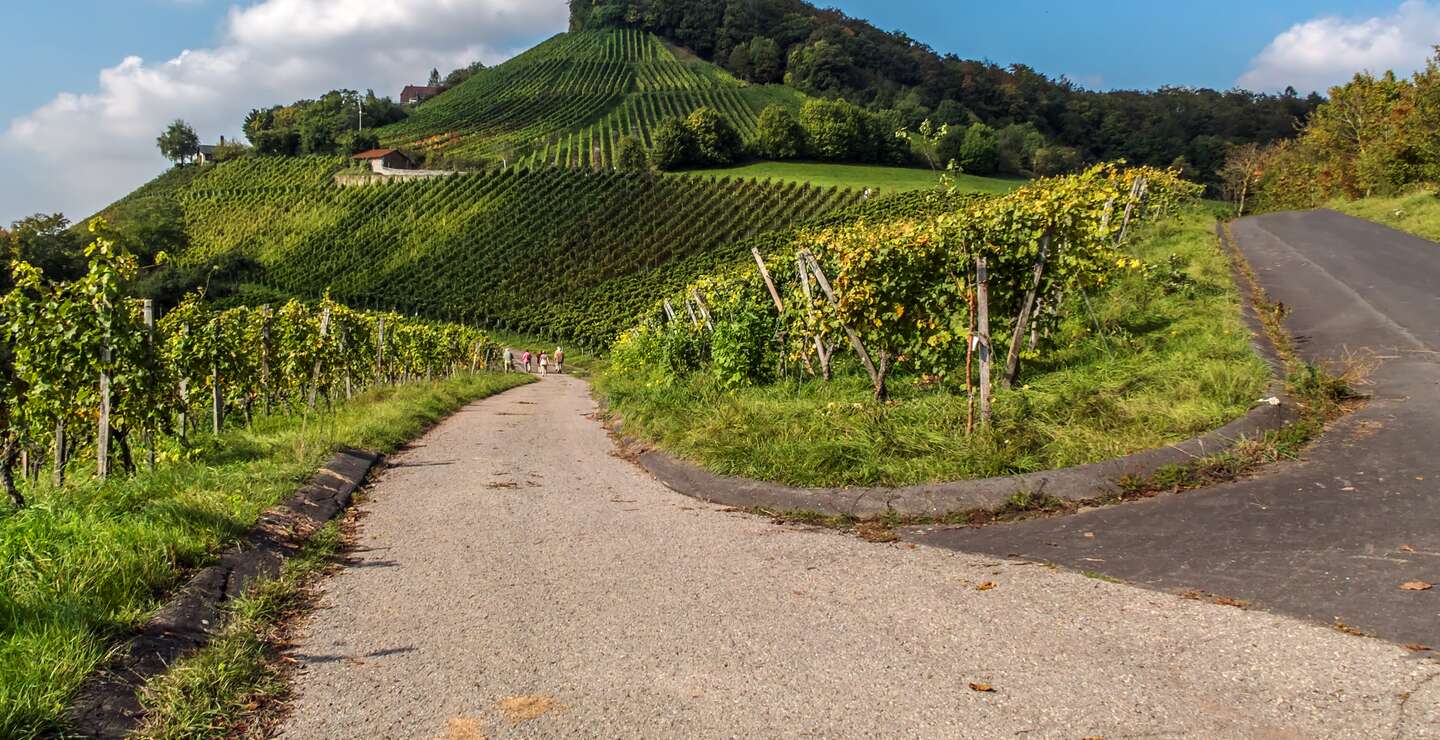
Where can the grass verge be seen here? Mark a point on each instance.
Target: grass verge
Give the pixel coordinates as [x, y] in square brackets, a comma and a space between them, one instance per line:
[884, 179]
[1174, 361]
[1417, 213]
[83, 567]
[220, 691]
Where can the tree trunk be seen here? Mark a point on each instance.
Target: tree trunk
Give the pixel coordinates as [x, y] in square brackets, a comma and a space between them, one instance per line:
[1022, 323]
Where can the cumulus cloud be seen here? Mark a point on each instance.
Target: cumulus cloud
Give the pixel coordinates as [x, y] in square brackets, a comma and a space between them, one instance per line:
[83, 150]
[1326, 51]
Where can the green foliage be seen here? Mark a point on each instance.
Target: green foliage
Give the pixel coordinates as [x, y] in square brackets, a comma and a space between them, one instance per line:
[979, 152]
[840, 131]
[630, 155]
[716, 141]
[1057, 160]
[47, 242]
[742, 349]
[778, 134]
[1375, 136]
[683, 352]
[179, 142]
[675, 146]
[329, 125]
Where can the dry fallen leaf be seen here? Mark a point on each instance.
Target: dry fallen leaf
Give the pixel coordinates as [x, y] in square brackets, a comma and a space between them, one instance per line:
[526, 707]
[1407, 548]
[983, 688]
[1418, 648]
[1090, 535]
[1416, 586]
[986, 586]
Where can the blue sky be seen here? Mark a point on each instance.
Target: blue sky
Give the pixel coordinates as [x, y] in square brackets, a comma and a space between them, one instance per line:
[89, 83]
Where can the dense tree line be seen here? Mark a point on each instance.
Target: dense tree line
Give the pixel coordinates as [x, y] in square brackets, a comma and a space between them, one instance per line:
[828, 54]
[330, 125]
[1377, 135]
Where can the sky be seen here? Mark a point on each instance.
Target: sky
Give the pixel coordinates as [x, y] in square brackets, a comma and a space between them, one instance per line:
[89, 84]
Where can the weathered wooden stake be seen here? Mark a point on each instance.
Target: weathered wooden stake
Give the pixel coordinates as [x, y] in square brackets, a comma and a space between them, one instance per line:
[982, 309]
[704, 309]
[769, 283]
[876, 378]
[217, 401]
[669, 310]
[102, 431]
[147, 313]
[690, 309]
[315, 374]
[822, 350]
[1022, 323]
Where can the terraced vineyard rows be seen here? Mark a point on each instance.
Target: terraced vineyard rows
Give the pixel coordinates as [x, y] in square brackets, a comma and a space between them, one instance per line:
[535, 250]
[569, 101]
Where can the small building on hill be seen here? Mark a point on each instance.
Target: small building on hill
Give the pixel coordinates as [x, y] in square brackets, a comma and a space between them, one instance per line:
[418, 94]
[386, 159]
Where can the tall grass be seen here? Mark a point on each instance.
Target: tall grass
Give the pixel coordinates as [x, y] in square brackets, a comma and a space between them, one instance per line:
[1417, 212]
[1174, 361]
[84, 567]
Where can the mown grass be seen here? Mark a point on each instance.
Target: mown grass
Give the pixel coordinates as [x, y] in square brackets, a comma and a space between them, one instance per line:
[1417, 212]
[1168, 366]
[884, 179]
[82, 568]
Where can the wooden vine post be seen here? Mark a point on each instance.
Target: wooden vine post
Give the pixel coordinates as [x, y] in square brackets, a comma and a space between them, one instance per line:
[380, 351]
[704, 310]
[669, 310]
[147, 313]
[774, 296]
[822, 349]
[102, 431]
[875, 378]
[982, 310]
[970, 342]
[1022, 323]
[315, 375]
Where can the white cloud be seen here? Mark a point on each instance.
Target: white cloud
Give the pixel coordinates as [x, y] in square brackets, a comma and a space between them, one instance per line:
[81, 151]
[1327, 51]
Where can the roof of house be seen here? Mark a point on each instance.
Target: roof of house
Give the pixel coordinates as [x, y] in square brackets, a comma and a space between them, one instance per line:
[419, 90]
[379, 154]
[207, 149]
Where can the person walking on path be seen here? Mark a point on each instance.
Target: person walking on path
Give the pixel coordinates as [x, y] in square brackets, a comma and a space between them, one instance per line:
[544, 364]
[559, 360]
[525, 358]
[509, 360]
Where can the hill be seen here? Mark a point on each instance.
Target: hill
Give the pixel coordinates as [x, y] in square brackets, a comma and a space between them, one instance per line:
[560, 252]
[825, 53]
[569, 101]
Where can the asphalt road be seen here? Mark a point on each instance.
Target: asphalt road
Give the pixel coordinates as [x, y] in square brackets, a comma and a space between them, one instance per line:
[1330, 538]
[515, 577]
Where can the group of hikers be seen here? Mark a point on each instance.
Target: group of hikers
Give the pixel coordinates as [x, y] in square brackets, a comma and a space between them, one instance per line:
[541, 361]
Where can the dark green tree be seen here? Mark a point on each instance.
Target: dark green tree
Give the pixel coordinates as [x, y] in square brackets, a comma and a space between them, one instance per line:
[674, 145]
[630, 155]
[778, 135]
[179, 143]
[716, 140]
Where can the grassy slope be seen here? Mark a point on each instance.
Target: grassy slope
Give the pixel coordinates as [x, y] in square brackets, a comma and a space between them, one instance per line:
[1417, 213]
[1173, 366]
[84, 567]
[860, 176]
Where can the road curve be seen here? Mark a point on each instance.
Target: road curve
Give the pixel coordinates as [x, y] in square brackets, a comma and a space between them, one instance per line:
[1330, 538]
[510, 553]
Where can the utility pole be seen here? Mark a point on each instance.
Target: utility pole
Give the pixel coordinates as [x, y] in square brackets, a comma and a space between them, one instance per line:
[360, 106]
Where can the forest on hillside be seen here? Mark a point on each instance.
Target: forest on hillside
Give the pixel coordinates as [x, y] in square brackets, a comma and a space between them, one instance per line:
[826, 53]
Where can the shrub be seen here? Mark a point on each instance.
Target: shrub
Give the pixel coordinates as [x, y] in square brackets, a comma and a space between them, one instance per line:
[716, 140]
[741, 349]
[630, 155]
[778, 135]
[674, 145]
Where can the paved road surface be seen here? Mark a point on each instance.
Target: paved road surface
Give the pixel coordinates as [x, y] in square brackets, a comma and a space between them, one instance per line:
[1334, 536]
[510, 554]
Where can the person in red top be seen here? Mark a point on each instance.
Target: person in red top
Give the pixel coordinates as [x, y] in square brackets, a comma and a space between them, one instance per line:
[525, 360]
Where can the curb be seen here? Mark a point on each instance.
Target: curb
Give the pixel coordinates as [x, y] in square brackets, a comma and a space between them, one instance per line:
[108, 703]
[1080, 483]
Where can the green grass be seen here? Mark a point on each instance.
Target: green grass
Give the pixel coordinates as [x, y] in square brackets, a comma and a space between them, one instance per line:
[1171, 366]
[82, 568]
[859, 176]
[229, 683]
[1417, 212]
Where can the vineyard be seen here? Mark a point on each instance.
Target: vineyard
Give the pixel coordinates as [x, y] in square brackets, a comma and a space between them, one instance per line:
[83, 351]
[570, 100]
[574, 254]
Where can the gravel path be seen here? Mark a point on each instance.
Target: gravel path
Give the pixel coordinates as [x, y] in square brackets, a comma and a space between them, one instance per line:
[510, 565]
